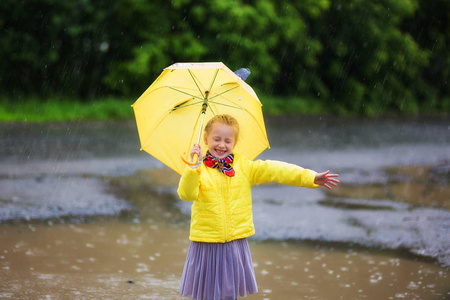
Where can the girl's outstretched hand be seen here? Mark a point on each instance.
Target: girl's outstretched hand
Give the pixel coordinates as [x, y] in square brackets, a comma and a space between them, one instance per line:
[325, 179]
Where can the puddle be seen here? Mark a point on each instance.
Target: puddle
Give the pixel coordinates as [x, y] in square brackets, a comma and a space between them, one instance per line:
[417, 185]
[80, 261]
[84, 214]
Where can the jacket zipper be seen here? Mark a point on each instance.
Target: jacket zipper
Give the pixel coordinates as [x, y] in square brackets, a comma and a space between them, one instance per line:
[224, 213]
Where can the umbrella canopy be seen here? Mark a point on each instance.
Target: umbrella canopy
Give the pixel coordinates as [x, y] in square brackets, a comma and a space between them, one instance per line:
[169, 113]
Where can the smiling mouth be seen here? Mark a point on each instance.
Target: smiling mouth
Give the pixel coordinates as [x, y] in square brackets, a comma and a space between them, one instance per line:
[220, 151]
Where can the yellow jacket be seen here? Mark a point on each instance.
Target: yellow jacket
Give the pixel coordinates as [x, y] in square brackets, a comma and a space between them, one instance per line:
[222, 206]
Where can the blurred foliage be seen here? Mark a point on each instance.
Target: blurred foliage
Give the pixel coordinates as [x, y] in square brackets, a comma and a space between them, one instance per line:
[351, 56]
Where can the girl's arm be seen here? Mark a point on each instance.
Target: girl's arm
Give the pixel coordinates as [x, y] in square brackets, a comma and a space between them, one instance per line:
[189, 184]
[190, 180]
[284, 173]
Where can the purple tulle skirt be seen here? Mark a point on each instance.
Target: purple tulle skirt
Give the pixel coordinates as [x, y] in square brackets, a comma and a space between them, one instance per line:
[217, 271]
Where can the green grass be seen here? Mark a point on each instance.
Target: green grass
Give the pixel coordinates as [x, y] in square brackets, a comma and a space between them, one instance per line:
[61, 110]
[292, 106]
[52, 110]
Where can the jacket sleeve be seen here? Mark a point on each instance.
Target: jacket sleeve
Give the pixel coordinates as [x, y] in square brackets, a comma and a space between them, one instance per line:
[189, 185]
[281, 172]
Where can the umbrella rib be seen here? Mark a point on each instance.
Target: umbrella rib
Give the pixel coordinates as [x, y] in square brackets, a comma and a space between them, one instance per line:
[196, 122]
[182, 106]
[212, 109]
[172, 88]
[224, 92]
[236, 107]
[214, 79]
[193, 131]
[235, 104]
[229, 100]
[195, 81]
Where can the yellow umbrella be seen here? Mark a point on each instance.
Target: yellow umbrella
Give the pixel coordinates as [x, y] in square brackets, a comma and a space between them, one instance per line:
[171, 113]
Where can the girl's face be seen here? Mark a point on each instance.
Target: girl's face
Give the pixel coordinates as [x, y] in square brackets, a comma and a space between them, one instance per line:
[221, 140]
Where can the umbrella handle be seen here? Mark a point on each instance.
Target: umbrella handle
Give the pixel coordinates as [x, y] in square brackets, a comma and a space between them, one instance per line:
[190, 163]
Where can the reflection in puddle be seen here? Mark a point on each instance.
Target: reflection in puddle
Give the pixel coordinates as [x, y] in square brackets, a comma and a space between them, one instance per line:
[353, 204]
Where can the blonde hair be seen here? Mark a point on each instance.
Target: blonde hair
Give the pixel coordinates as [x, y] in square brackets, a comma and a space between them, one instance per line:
[223, 119]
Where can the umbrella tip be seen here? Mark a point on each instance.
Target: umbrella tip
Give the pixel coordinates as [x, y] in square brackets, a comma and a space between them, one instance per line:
[243, 73]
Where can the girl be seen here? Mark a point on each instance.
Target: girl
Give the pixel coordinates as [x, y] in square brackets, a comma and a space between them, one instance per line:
[219, 264]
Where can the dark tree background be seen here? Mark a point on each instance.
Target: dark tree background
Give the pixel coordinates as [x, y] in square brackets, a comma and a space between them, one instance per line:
[360, 56]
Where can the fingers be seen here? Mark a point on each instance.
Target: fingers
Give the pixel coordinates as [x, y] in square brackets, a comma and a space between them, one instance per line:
[196, 149]
[326, 174]
[323, 174]
[332, 181]
[329, 180]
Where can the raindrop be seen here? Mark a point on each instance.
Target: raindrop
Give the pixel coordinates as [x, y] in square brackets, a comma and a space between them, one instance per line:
[104, 46]
[413, 286]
